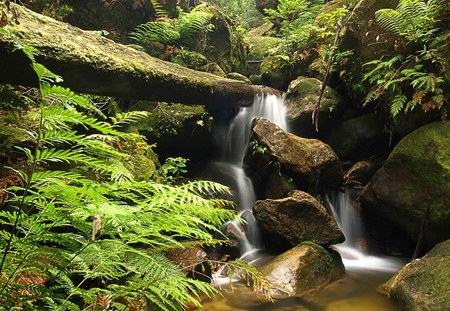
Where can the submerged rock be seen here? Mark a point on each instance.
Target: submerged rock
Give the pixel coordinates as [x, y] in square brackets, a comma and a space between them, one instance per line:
[303, 269]
[414, 178]
[297, 218]
[423, 284]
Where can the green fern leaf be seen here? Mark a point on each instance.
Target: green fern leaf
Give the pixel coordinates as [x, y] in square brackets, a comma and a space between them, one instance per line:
[397, 104]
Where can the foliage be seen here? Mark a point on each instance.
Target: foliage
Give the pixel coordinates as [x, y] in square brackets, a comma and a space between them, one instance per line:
[413, 77]
[78, 233]
[244, 12]
[173, 168]
[291, 15]
[180, 32]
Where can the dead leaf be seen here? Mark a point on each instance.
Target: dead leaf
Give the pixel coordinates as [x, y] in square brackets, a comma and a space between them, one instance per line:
[96, 225]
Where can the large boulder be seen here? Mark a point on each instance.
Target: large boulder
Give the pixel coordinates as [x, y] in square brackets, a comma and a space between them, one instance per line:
[415, 178]
[358, 138]
[423, 284]
[224, 44]
[301, 100]
[297, 218]
[303, 269]
[312, 165]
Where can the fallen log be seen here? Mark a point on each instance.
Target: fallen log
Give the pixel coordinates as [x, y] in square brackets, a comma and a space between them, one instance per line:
[92, 64]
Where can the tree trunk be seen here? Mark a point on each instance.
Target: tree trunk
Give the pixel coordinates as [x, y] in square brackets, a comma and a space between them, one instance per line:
[92, 64]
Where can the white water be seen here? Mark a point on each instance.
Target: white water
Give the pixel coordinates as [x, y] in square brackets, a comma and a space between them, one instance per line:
[345, 208]
[234, 147]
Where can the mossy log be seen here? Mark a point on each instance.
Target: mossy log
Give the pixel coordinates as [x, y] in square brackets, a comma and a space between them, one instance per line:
[92, 64]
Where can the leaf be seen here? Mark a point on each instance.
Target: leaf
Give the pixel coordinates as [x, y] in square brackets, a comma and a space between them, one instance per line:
[96, 225]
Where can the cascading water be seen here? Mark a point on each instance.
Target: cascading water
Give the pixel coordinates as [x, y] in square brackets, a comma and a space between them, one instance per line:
[234, 146]
[345, 210]
[355, 292]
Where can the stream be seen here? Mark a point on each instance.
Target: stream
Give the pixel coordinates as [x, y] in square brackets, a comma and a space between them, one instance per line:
[356, 290]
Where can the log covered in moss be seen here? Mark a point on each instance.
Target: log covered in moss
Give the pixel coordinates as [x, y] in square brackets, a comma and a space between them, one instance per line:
[90, 63]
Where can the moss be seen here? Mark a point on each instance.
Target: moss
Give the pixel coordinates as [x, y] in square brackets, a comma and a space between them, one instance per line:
[166, 119]
[259, 46]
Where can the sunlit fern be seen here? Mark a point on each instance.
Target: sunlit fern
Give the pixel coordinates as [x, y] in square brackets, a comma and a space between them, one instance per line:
[179, 32]
[51, 259]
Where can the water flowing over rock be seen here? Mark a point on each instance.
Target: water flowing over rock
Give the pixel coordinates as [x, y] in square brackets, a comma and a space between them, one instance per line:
[302, 269]
[423, 284]
[416, 176]
[297, 218]
[311, 163]
[302, 97]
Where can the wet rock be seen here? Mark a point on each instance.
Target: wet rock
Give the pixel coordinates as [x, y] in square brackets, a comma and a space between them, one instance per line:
[423, 284]
[416, 176]
[279, 185]
[302, 97]
[311, 163]
[303, 269]
[358, 138]
[298, 218]
[361, 173]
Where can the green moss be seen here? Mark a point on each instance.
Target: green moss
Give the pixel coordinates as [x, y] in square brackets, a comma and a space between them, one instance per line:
[167, 119]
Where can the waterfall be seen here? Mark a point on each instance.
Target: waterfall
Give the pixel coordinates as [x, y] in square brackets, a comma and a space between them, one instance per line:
[231, 168]
[346, 211]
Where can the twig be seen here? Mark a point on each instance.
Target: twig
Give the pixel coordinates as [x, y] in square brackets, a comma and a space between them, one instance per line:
[315, 114]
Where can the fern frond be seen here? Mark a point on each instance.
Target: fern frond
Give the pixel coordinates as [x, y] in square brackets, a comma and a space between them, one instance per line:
[389, 20]
[397, 104]
[122, 119]
[159, 10]
[66, 97]
[190, 24]
[155, 32]
[45, 76]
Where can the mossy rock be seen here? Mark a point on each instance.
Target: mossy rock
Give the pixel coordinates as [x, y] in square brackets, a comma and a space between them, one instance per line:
[14, 127]
[302, 269]
[259, 46]
[275, 72]
[414, 178]
[423, 284]
[190, 59]
[165, 119]
[225, 45]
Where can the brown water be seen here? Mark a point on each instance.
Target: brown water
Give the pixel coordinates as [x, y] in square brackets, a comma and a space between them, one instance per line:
[356, 291]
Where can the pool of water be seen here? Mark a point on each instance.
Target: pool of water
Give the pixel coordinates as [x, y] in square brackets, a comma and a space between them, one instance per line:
[357, 290]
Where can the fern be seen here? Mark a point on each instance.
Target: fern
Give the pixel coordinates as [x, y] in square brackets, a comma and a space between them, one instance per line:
[415, 73]
[397, 104]
[52, 259]
[159, 10]
[412, 19]
[180, 32]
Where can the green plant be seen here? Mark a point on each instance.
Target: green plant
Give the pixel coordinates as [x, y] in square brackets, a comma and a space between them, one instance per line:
[78, 233]
[291, 15]
[173, 168]
[180, 32]
[413, 77]
[244, 12]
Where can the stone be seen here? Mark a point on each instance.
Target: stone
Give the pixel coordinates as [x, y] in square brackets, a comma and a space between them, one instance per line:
[303, 269]
[358, 138]
[302, 97]
[423, 284]
[416, 176]
[298, 218]
[312, 164]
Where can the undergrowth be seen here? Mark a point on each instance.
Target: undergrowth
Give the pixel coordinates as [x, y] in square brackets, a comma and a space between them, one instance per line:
[77, 232]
